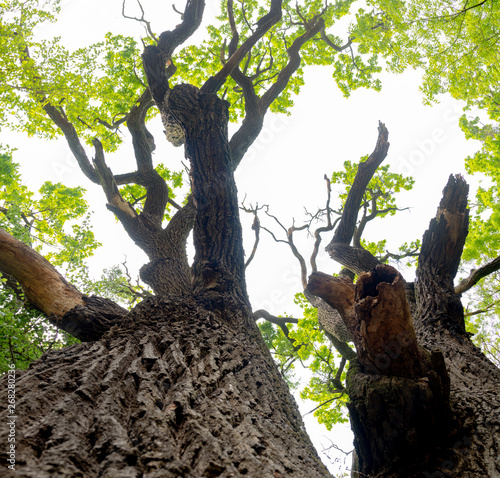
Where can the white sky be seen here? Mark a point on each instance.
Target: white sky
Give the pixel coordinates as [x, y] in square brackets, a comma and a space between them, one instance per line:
[284, 168]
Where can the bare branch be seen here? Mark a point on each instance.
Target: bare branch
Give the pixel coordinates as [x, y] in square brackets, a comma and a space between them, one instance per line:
[482, 311]
[329, 226]
[214, 84]
[345, 230]
[326, 402]
[296, 253]
[281, 323]
[115, 200]
[147, 25]
[476, 275]
[264, 314]
[256, 228]
[338, 49]
[73, 140]
[398, 257]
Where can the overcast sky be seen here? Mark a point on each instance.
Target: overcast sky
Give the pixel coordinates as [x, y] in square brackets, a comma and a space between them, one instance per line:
[285, 166]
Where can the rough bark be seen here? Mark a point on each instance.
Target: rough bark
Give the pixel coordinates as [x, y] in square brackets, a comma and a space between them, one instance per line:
[175, 393]
[439, 258]
[219, 265]
[475, 381]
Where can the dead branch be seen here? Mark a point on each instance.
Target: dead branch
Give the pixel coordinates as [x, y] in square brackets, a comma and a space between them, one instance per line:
[366, 169]
[329, 226]
[145, 23]
[256, 229]
[377, 315]
[439, 258]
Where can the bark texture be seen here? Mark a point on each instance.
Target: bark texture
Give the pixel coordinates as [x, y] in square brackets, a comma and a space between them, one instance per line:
[439, 258]
[475, 381]
[176, 393]
[219, 265]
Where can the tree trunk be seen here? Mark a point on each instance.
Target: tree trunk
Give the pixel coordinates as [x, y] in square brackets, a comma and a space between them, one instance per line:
[424, 401]
[175, 392]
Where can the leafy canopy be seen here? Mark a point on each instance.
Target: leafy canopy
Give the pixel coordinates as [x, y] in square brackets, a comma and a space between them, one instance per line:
[196, 63]
[94, 86]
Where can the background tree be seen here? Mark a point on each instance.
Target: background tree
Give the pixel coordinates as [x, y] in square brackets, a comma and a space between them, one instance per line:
[457, 47]
[183, 385]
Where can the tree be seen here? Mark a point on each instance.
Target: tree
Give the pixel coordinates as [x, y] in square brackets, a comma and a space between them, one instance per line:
[184, 385]
[457, 46]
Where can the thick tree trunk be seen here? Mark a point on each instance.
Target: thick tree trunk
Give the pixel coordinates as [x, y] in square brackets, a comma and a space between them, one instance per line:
[475, 381]
[175, 392]
[219, 266]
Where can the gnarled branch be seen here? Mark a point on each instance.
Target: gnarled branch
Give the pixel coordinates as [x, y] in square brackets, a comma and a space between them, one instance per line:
[213, 84]
[345, 230]
[252, 124]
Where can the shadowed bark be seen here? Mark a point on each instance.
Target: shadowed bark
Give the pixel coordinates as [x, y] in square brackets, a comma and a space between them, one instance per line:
[174, 392]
